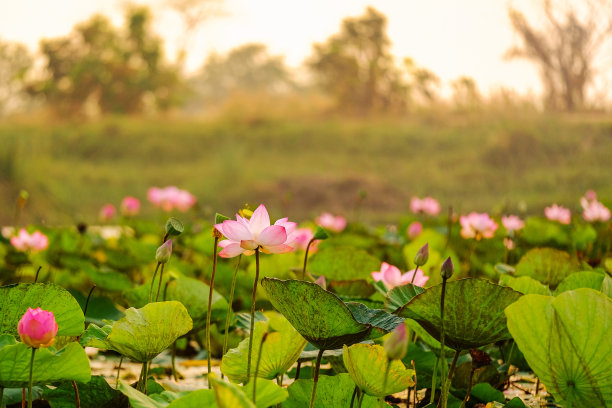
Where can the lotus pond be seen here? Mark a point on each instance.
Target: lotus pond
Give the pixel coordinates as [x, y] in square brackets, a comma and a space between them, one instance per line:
[179, 311]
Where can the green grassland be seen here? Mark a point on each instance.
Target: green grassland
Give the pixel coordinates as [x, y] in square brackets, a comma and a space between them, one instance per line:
[359, 167]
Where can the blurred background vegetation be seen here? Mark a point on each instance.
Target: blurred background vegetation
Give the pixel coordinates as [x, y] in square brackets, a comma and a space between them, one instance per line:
[102, 113]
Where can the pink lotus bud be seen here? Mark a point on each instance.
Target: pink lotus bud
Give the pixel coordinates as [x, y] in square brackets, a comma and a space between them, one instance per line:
[26, 242]
[396, 343]
[447, 268]
[512, 223]
[321, 282]
[422, 255]
[332, 223]
[162, 255]
[107, 212]
[37, 328]
[427, 205]
[130, 206]
[414, 230]
[590, 195]
[477, 225]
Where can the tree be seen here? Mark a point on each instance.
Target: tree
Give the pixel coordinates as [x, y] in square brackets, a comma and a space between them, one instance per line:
[101, 69]
[356, 66]
[564, 45]
[15, 62]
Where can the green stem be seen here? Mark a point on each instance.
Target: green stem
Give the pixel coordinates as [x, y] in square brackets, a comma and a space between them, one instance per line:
[263, 338]
[153, 282]
[384, 388]
[210, 294]
[297, 370]
[360, 399]
[229, 307]
[414, 276]
[447, 382]
[1, 397]
[37, 272]
[31, 378]
[442, 357]
[353, 397]
[77, 399]
[433, 381]
[306, 257]
[174, 374]
[469, 390]
[161, 278]
[316, 378]
[415, 386]
[253, 314]
[118, 372]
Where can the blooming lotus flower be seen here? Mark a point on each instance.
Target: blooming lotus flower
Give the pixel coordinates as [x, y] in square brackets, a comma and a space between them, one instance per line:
[590, 195]
[130, 206]
[37, 328]
[558, 213]
[244, 236]
[107, 212]
[391, 276]
[35, 242]
[477, 225]
[512, 223]
[300, 238]
[593, 210]
[171, 197]
[414, 230]
[332, 223]
[427, 205]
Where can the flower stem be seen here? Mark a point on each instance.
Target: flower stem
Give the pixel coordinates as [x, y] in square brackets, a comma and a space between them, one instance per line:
[161, 278]
[153, 282]
[306, 257]
[414, 275]
[118, 373]
[415, 386]
[1, 397]
[353, 397]
[263, 338]
[442, 358]
[37, 272]
[384, 388]
[229, 307]
[31, 378]
[77, 399]
[253, 314]
[316, 378]
[433, 381]
[210, 294]
[469, 390]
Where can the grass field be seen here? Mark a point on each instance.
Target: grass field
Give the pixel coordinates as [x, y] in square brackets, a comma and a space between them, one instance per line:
[300, 168]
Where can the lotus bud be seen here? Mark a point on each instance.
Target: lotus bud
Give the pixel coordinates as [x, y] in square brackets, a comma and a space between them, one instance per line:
[37, 328]
[320, 233]
[447, 268]
[422, 256]
[396, 343]
[162, 255]
[321, 282]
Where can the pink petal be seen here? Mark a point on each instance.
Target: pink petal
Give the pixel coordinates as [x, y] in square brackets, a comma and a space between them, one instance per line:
[259, 220]
[236, 231]
[249, 244]
[231, 250]
[277, 249]
[272, 235]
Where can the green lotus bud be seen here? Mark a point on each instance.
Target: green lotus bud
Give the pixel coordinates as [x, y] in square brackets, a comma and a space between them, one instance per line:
[320, 233]
[174, 227]
[447, 268]
[396, 343]
[422, 256]
[162, 255]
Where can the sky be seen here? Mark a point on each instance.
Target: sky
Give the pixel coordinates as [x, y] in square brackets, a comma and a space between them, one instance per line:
[452, 38]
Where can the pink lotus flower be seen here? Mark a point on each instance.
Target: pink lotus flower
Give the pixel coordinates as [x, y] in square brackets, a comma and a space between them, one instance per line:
[107, 212]
[477, 225]
[414, 230]
[35, 242]
[558, 213]
[512, 223]
[171, 197]
[244, 236]
[426, 205]
[37, 328]
[300, 238]
[391, 276]
[590, 195]
[130, 206]
[509, 243]
[593, 210]
[330, 222]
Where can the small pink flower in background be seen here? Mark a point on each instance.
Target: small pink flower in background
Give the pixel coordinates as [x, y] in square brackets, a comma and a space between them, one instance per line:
[414, 230]
[512, 223]
[509, 243]
[7, 232]
[427, 205]
[130, 206]
[37, 328]
[593, 210]
[184, 200]
[391, 276]
[330, 222]
[35, 242]
[590, 195]
[107, 212]
[300, 238]
[558, 213]
[244, 236]
[477, 225]
[171, 197]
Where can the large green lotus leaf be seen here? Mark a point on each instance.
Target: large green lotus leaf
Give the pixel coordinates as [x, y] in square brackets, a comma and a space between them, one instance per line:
[320, 316]
[94, 394]
[167, 399]
[277, 266]
[593, 280]
[566, 341]
[400, 295]
[366, 364]
[144, 333]
[539, 231]
[107, 278]
[343, 263]
[356, 288]
[268, 393]
[50, 366]
[525, 284]
[229, 395]
[381, 321]
[333, 392]
[15, 300]
[473, 312]
[547, 265]
[280, 350]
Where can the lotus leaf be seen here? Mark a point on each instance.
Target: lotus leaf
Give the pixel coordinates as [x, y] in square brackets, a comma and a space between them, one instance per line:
[229, 395]
[525, 284]
[50, 366]
[593, 280]
[566, 341]
[547, 265]
[333, 392]
[322, 318]
[473, 312]
[167, 399]
[343, 263]
[15, 300]
[366, 364]
[95, 393]
[400, 295]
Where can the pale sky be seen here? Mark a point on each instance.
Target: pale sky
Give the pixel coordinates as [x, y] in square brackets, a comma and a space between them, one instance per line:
[450, 37]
